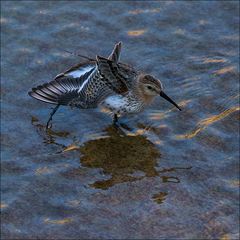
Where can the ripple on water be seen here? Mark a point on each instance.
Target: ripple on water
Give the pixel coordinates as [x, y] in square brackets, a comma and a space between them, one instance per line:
[206, 122]
[173, 174]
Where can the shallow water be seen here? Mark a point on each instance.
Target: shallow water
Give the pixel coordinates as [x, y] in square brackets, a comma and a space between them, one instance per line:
[174, 175]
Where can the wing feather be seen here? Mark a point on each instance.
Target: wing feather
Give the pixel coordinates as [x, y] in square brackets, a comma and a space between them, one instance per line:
[61, 90]
[109, 71]
[115, 55]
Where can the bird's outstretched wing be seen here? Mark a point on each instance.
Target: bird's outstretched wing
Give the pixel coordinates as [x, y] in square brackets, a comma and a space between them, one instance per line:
[80, 68]
[87, 84]
[120, 77]
[62, 89]
[109, 72]
[77, 70]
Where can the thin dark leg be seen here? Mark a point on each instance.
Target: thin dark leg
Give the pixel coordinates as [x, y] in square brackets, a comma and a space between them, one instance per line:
[115, 119]
[117, 125]
[51, 115]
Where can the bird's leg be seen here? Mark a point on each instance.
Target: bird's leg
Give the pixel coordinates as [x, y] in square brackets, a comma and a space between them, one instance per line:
[117, 125]
[51, 115]
[115, 119]
[120, 125]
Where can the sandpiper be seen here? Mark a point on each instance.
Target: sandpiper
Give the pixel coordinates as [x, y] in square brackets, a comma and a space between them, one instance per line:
[102, 82]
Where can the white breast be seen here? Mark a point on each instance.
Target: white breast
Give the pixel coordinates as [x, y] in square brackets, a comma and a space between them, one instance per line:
[123, 104]
[115, 102]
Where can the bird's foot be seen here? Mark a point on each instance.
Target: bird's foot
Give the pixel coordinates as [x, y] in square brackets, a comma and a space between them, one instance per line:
[126, 127]
[121, 126]
[51, 116]
[49, 125]
[119, 129]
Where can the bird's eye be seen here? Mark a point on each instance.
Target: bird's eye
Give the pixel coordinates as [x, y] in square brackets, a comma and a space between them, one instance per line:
[149, 87]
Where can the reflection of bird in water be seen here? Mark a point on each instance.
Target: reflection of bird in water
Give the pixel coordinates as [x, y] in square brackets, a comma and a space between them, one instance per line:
[120, 157]
[124, 159]
[102, 82]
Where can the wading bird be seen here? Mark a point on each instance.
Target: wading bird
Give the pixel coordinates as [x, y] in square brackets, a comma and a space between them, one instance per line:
[102, 82]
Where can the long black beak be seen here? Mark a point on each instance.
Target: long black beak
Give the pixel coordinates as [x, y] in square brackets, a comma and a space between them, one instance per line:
[162, 94]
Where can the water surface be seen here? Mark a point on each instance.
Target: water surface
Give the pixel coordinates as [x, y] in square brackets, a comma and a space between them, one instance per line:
[174, 175]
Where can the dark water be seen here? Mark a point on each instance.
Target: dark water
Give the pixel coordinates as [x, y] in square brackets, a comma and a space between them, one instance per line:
[174, 175]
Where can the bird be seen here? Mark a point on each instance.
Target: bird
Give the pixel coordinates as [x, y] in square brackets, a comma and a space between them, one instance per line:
[102, 82]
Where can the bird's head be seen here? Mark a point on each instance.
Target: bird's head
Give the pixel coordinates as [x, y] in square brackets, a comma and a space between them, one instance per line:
[151, 87]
